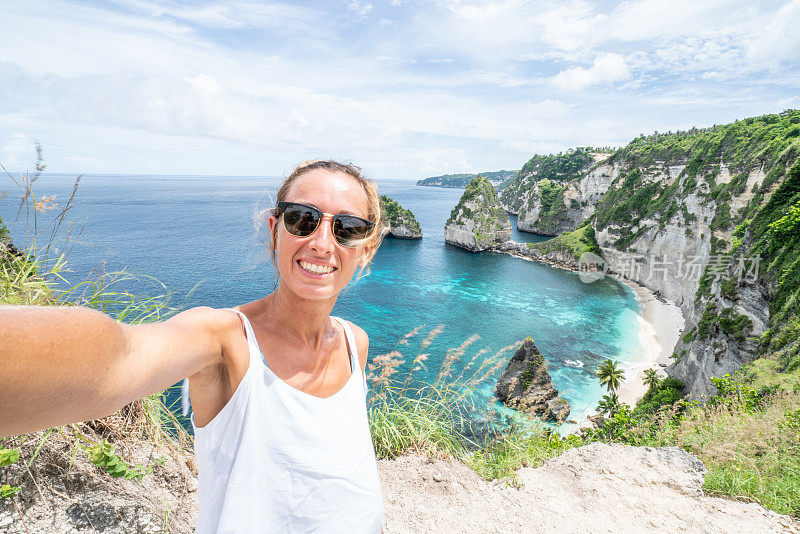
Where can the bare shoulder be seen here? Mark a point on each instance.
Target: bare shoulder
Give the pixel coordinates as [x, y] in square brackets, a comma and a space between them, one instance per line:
[211, 330]
[362, 343]
[206, 320]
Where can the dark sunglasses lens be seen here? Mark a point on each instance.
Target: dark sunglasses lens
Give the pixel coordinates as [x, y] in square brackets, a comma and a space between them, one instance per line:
[349, 230]
[300, 221]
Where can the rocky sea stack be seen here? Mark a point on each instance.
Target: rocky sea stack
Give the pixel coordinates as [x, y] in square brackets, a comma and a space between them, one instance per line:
[401, 222]
[526, 385]
[478, 221]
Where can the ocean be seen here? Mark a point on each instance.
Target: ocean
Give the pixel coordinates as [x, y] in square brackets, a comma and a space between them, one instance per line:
[199, 237]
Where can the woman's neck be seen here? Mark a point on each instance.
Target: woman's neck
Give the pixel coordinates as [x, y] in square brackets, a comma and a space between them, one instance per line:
[306, 320]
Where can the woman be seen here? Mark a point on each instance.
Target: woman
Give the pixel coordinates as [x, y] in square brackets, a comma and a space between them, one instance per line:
[277, 385]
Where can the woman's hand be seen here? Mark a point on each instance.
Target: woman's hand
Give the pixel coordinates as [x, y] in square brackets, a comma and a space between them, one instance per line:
[61, 365]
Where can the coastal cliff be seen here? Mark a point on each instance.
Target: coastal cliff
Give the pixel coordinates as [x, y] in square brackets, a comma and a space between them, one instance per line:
[526, 385]
[679, 214]
[547, 195]
[478, 221]
[399, 222]
[498, 179]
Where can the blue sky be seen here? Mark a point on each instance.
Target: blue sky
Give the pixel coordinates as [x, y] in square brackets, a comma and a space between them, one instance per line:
[405, 89]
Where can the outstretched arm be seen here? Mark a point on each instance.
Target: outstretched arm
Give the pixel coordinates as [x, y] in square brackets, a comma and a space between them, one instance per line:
[60, 365]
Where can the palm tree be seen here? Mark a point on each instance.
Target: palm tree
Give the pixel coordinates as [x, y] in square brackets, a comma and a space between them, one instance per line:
[609, 404]
[610, 375]
[651, 379]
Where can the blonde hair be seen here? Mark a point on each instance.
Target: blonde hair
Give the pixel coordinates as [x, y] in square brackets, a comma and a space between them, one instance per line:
[374, 208]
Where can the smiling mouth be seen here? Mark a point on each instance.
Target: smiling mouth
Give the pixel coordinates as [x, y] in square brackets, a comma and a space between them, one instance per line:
[314, 268]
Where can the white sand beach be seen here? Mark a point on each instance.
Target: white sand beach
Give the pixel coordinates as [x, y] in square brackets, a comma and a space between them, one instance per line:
[660, 326]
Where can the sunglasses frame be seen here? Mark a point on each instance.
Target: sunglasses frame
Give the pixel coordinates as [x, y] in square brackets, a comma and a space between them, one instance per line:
[283, 205]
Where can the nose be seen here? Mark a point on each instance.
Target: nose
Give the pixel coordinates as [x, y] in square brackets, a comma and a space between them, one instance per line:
[323, 241]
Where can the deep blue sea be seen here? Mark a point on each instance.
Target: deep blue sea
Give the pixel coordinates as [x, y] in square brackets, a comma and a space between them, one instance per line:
[198, 232]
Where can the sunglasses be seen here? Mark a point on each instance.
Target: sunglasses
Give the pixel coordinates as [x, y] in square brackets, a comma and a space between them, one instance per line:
[302, 220]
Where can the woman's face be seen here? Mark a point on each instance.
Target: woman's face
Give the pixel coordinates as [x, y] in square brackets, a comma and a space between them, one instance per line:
[329, 192]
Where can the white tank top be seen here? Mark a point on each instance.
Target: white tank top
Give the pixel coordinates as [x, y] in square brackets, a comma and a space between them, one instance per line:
[276, 459]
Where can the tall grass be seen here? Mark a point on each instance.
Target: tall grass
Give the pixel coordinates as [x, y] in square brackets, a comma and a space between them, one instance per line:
[444, 419]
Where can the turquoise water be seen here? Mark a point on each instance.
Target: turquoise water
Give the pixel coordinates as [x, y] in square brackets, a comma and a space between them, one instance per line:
[199, 232]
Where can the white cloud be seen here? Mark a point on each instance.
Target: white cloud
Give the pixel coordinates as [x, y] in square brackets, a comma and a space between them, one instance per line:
[18, 153]
[606, 68]
[362, 10]
[204, 84]
[779, 41]
[648, 20]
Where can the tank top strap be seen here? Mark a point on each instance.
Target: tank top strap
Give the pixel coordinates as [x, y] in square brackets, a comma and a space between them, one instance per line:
[253, 350]
[355, 365]
[252, 342]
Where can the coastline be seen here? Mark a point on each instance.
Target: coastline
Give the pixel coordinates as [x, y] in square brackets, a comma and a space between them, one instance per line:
[660, 326]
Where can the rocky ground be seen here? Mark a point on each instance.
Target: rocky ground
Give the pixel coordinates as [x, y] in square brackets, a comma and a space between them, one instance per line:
[597, 488]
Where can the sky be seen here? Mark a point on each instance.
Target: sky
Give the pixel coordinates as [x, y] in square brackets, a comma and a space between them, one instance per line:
[405, 89]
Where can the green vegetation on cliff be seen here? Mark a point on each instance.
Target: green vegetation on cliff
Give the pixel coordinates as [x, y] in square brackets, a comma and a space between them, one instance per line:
[645, 192]
[490, 217]
[775, 234]
[396, 215]
[559, 168]
[743, 144]
[572, 243]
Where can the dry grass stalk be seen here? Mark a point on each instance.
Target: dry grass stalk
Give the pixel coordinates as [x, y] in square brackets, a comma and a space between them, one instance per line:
[404, 340]
[471, 363]
[431, 335]
[492, 364]
[453, 355]
[388, 364]
[45, 203]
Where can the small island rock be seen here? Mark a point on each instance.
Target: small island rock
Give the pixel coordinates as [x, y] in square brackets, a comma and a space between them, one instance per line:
[400, 222]
[526, 385]
[478, 221]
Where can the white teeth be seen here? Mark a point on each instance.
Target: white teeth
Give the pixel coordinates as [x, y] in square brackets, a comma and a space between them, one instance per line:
[314, 268]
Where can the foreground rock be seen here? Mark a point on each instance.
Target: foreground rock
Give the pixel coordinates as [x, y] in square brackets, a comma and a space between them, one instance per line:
[526, 385]
[478, 221]
[64, 493]
[596, 488]
[401, 222]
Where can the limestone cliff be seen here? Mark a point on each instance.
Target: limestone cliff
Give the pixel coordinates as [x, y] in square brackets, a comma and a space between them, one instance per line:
[400, 222]
[526, 385]
[478, 221]
[675, 212]
[547, 196]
